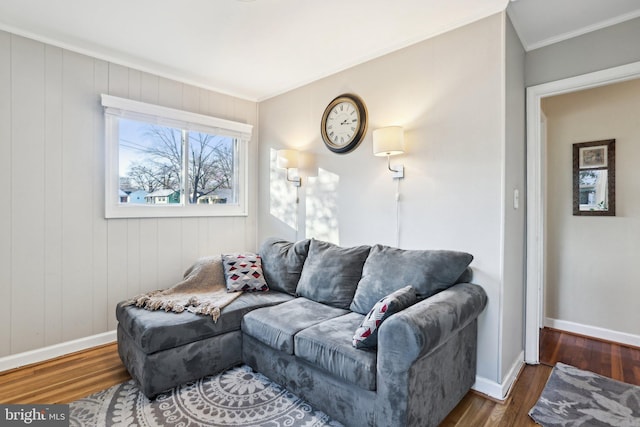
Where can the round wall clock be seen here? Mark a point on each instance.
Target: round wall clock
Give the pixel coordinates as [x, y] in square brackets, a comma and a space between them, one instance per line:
[344, 123]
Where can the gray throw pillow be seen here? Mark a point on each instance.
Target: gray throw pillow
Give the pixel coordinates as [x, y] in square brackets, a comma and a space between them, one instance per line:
[389, 269]
[282, 263]
[331, 273]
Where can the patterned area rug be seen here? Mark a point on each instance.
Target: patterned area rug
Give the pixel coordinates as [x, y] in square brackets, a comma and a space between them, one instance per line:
[573, 397]
[237, 397]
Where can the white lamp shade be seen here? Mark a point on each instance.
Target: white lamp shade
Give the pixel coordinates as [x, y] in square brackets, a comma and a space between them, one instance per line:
[287, 159]
[388, 141]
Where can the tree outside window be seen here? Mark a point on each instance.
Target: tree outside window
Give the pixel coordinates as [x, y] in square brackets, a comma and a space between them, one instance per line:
[152, 161]
[162, 162]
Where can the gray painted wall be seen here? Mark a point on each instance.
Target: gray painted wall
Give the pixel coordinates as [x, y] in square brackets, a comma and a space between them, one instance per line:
[448, 93]
[605, 48]
[514, 232]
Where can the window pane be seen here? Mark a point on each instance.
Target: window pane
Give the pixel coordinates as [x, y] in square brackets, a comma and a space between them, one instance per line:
[212, 171]
[152, 172]
[150, 163]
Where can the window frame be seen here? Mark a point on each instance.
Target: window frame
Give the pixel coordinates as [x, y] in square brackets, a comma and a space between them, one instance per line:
[116, 108]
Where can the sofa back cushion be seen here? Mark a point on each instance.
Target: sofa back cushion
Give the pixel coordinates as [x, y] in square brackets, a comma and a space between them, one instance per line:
[466, 276]
[282, 263]
[331, 273]
[389, 269]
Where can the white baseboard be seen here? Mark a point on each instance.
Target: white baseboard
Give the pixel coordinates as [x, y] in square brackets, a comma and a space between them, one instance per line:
[593, 331]
[57, 350]
[488, 387]
[500, 391]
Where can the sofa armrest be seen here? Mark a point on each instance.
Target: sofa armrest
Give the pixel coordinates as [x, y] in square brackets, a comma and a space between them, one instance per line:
[406, 336]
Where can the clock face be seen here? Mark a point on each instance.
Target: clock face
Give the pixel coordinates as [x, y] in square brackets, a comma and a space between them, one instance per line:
[344, 123]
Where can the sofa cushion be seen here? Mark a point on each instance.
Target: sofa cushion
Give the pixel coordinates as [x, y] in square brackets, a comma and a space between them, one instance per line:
[466, 276]
[276, 326]
[331, 273]
[366, 335]
[282, 263]
[327, 345]
[243, 273]
[154, 331]
[389, 269]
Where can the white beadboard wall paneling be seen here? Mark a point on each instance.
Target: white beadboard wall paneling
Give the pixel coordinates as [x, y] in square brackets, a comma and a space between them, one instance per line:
[133, 266]
[52, 190]
[63, 267]
[169, 93]
[149, 88]
[203, 102]
[78, 113]
[203, 241]
[117, 229]
[118, 81]
[27, 193]
[189, 241]
[100, 268]
[117, 254]
[135, 85]
[219, 105]
[169, 250]
[190, 99]
[5, 179]
[148, 247]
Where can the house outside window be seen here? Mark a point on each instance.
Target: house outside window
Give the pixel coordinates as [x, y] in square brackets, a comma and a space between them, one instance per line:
[163, 162]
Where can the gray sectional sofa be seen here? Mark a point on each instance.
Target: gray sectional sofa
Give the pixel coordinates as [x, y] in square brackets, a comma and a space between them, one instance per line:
[300, 333]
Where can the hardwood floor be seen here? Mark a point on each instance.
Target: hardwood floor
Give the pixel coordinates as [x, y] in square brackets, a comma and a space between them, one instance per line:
[476, 410]
[64, 379]
[74, 376]
[612, 360]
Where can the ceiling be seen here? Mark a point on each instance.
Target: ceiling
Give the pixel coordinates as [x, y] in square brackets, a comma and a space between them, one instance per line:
[256, 49]
[543, 22]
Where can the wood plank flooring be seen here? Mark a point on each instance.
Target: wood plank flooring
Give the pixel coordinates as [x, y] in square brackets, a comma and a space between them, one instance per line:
[617, 361]
[613, 360]
[71, 377]
[64, 379]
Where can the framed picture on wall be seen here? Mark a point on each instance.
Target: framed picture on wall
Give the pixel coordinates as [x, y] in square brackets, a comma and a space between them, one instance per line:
[593, 157]
[594, 178]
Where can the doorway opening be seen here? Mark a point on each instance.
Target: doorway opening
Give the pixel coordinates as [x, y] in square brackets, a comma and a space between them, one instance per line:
[536, 190]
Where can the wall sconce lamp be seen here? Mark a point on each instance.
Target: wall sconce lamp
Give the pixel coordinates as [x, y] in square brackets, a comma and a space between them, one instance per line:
[389, 141]
[288, 159]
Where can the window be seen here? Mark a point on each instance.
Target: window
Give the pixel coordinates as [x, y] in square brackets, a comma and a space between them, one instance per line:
[162, 162]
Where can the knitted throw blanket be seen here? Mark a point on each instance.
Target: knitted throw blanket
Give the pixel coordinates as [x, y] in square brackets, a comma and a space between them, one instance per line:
[203, 291]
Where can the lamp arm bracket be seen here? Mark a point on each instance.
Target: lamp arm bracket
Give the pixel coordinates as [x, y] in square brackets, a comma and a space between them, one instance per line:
[297, 182]
[397, 173]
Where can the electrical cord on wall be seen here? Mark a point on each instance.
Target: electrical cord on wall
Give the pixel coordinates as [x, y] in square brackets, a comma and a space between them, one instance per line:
[297, 215]
[397, 213]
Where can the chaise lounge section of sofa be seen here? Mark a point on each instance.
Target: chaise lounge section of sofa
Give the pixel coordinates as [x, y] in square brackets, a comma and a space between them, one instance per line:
[300, 333]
